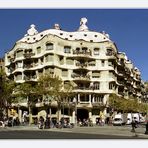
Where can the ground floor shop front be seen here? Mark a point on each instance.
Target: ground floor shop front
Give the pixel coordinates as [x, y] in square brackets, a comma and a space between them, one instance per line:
[73, 114]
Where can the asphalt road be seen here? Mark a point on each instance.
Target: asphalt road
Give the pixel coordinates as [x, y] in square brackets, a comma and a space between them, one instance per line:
[23, 134]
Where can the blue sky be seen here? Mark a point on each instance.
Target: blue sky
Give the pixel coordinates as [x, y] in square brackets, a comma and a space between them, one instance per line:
[127, 28]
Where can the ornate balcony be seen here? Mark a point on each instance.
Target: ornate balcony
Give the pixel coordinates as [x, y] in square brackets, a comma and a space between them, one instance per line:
[80, 77]
[110, 53]
[83, 53]
[28, 55]
[82, 65]
[97, 104]
[12, 59]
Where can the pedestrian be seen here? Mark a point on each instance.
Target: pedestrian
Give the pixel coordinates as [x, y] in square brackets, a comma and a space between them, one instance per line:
[134, 126]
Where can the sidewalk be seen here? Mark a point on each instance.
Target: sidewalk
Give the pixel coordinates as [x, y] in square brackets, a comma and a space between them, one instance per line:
[104, 130]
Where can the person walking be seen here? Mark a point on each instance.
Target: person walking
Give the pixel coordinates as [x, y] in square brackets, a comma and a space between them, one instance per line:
[134, 126]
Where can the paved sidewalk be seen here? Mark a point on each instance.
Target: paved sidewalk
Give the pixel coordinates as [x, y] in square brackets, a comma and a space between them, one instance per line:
[104, 130]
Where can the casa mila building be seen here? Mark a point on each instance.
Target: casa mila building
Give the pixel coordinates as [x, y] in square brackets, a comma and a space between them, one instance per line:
[89, 59]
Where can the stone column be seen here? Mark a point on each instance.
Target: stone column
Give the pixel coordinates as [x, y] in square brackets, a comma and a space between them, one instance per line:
[73, 116]
[105, 111]
[90, 114]
[90, 98]
[20, 115]
[59, 114]
[78, 97]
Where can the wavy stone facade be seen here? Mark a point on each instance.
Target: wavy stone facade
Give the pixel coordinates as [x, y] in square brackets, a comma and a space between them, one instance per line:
[88, 58]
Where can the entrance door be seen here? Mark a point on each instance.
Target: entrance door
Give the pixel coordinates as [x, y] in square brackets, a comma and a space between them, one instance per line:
[82, 114]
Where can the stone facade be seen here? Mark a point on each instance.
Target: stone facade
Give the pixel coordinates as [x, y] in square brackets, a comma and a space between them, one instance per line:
[89, 59]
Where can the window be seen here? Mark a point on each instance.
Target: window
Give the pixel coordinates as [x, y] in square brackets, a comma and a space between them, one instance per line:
[19, 65]
[64, 73]
[49, 46]
[97, 85]
[98, 98]
[109, 52]
[110, 63]
[96, 51]
[67, 49]
[18, 76]
[111, 85]
[38, 50]
[84, 49]
[69, 62]
[49, 58]
[95, 74]
[84, 98]
[61, 60]
[103, 63]
[92, 63]
[19, 53]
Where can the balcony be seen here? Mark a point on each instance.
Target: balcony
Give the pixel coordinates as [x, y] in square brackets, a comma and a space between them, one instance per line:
[82, 88]
[129, 80]
[12, 59]
[30, 78]
[110, 53]
[82, 65]
[80, 77]
[28, 55]
[121, 93]
[28, 66]
[84, 104]
[127, 71]
[83, 53]
[120, 82]
[121, 73]
[97, 104]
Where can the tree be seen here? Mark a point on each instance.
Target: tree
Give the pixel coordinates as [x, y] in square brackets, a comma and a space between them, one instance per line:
[52, 87]
[27, 91]
[6, 93]
[125, 105]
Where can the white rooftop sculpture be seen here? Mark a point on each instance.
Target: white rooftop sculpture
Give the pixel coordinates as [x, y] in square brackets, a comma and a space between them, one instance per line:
[32, 30]
[57, 26]
[107, 35]
[83, 23]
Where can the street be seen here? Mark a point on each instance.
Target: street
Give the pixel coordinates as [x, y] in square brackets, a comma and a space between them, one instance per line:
[104, 132]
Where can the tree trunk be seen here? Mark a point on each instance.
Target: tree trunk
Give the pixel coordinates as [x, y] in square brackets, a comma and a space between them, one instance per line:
[30, 115]
[59, 112]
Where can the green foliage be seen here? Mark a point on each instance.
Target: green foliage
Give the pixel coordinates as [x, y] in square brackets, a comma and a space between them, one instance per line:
[53, 86]
[25, 91]
[7, 88]
[126, 105]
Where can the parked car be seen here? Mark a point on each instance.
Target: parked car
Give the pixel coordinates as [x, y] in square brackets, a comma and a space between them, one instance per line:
[120, 119]
[129, 118]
